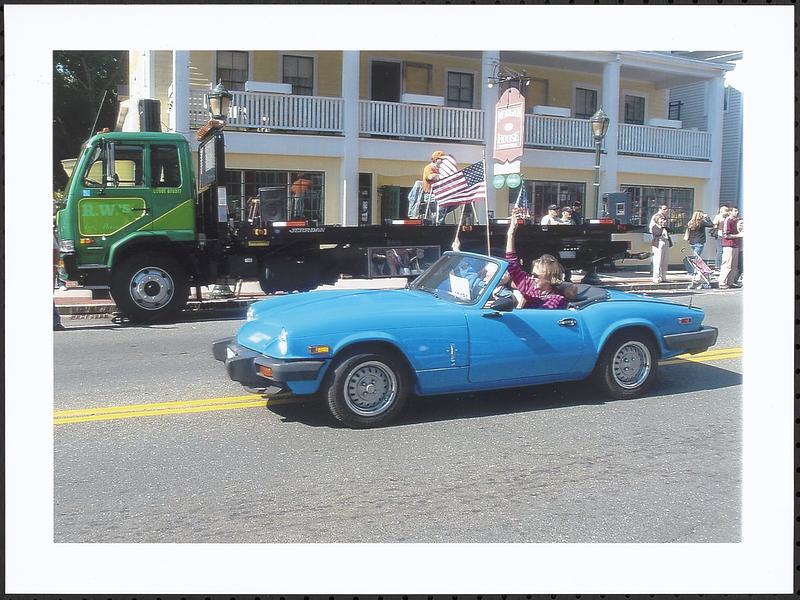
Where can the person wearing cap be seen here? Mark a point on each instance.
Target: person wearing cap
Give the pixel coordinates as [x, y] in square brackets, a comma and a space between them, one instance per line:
[551, 218]
[566, 216]
[577, 217]
[430, 174]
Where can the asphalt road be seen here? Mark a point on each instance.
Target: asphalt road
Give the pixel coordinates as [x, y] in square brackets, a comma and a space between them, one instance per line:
[545, 464]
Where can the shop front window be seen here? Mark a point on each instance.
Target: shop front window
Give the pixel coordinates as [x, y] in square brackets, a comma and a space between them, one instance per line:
[541, 194]
[646, 200]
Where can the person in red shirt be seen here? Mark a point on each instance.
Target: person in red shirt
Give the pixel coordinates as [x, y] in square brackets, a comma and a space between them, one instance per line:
[538, 289]
[731, 242]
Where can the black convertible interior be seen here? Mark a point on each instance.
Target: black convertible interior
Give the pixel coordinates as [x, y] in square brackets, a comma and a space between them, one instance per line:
[587, 294]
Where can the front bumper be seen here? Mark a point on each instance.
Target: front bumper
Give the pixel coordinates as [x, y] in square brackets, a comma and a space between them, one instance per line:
[692, 342]
[242, 366]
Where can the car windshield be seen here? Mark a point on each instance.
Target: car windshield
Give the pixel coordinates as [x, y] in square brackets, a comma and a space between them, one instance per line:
[457, 278]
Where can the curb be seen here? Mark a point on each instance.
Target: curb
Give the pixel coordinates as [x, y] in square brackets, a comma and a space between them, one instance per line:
[87, 310]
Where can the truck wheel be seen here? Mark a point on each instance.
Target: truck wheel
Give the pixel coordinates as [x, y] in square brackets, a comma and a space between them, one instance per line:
[269, 278]
[150, 287]
[627, 366]
[367, 390]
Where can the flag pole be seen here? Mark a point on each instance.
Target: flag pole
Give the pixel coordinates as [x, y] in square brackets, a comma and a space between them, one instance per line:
[486, 207]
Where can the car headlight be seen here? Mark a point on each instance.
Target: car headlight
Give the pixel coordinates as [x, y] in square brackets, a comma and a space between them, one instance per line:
[66, 245]
[283, 342]
[251, 314]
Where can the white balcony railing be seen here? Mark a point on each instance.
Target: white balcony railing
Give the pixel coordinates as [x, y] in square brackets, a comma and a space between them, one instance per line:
[662, 142]
[255, 110]
[558, 132]
[316, 114]
[412, 120]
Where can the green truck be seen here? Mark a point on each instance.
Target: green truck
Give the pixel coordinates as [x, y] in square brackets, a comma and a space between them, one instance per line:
[139, 218]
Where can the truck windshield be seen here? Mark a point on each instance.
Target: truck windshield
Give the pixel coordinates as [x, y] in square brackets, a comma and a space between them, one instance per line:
[457, 278]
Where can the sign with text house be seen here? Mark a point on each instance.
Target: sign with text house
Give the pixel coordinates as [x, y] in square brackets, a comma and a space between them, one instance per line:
[509, 132]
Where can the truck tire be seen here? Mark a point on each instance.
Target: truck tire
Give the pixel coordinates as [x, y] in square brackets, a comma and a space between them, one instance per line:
[270, 277]
[367, 389]
[150, 287]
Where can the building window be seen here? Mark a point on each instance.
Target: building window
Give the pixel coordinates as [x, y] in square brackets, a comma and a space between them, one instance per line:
[585, 103]
[460, 89]
[675, 110]
[726, 99]
[646, 200]
[232, 69]
[303, 200]
[541, 194]
[299, 71]
[634, 110]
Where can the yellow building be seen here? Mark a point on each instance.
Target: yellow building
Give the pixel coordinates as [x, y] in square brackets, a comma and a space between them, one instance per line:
[362, 125]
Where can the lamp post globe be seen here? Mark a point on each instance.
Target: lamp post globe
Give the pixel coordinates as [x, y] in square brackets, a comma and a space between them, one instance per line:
[219, 101]
[599, 122]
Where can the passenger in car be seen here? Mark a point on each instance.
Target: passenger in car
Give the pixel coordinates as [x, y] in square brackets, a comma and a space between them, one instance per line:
[537, 288]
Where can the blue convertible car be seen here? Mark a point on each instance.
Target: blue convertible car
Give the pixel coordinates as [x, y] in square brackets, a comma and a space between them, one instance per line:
[365, 351]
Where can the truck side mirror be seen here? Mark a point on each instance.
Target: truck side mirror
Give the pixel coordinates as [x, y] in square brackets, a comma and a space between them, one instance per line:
[109, 168]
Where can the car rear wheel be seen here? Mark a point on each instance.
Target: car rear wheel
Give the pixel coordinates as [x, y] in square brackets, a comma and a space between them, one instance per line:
[367, 390]
[627, 366]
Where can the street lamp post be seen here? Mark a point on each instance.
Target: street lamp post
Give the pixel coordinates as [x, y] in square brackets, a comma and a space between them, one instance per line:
[599, 123]
[219, 102]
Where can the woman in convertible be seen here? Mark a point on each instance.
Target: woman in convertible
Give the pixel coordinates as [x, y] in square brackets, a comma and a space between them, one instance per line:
[539, 290]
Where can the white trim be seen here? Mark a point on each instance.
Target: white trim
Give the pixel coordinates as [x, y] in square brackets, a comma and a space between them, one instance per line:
[475, 83]
[623, 92]
[373, 59]
[585, 86]
[314, 67]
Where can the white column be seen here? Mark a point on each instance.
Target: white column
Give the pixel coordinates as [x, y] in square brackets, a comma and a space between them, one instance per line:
[610, 104]
[489, 97]
[715, 102]
[179, 115]
[149, 74]
[349, 174]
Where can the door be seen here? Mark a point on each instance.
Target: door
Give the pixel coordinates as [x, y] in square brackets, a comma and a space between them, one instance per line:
[115, 199]
[386, 81]
[524, 345]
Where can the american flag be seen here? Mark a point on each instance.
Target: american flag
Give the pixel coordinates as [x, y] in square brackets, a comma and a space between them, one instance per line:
[448, 166]
[522, 200]
[462, 187]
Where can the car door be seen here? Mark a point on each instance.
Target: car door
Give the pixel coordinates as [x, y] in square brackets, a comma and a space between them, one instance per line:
[524, 344]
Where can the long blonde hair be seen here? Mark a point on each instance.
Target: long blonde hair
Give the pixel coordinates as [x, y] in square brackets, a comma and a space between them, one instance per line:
[550, 268]
[697, 218]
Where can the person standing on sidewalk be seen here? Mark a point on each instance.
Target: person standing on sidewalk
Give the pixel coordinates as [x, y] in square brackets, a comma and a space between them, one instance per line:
[731, 241]
[551, 218]
[696, 231]
[716, 233]
[661, 244]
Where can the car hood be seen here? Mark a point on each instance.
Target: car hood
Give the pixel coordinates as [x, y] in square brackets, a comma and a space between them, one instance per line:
[343, 312]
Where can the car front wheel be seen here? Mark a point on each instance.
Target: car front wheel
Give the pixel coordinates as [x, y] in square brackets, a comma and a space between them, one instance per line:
[367, 390]
[627, 366]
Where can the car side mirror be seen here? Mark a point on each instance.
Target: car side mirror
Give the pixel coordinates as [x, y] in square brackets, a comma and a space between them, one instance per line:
[504, 304]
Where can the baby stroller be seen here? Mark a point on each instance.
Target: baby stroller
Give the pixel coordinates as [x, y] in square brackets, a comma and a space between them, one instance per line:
[699, 270]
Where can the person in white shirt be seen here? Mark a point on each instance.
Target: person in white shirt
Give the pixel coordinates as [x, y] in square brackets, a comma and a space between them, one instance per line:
[551, 218]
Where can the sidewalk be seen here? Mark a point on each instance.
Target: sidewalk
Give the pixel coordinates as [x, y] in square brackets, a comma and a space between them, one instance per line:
[628, 278]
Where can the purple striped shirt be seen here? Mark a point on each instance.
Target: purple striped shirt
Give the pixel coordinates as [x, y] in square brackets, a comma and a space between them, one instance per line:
[534, 297]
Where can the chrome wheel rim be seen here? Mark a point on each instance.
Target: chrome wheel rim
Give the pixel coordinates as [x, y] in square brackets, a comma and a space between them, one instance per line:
[152, 288]
[370, 389]
[631, 365]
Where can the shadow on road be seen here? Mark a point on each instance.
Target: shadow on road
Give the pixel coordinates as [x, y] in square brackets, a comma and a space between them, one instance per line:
[682, 378]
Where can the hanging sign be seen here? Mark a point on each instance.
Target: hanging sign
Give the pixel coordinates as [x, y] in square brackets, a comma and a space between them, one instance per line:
[509, 132]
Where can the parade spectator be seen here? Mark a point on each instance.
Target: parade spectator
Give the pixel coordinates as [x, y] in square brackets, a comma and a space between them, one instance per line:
[566, 216]
[537, 288]
[696, 231]
[731, 240]
[717, 231]
[740, 228]
[661, 244]
[551, 218]
[663, 211]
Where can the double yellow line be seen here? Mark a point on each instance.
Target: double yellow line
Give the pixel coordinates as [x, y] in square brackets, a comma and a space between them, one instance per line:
[108, 413]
